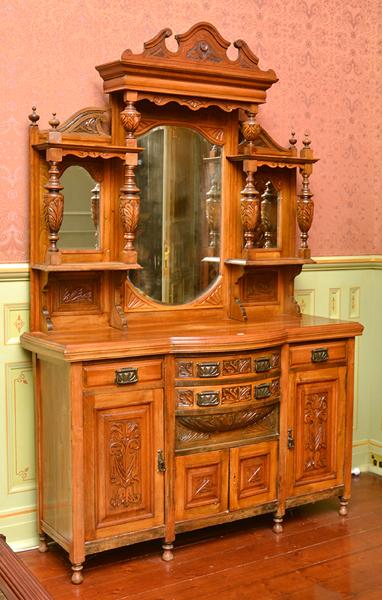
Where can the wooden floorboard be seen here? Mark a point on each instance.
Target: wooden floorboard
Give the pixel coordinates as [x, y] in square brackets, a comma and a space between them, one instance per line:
[320, 556]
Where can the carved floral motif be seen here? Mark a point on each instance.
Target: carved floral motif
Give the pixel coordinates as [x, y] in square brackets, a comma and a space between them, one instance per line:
[236, 365]
[125, 480]
[184, 369]
[77, 295]
[184, 398]
[238, 393]
[315, 431]
[224, 421]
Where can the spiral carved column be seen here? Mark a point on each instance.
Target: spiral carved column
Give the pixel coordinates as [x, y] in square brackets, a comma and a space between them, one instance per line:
[129, 199]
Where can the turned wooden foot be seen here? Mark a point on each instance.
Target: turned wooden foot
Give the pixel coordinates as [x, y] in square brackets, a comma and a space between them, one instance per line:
[43, 546]
[277, 524]
[343, 511]
[77, 576]
[167, 554]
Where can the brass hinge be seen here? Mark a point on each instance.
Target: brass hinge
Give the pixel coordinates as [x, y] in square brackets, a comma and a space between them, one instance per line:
[290, 439]
[161, 465]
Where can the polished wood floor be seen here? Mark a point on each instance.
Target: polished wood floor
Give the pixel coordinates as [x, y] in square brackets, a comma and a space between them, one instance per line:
[320, 556]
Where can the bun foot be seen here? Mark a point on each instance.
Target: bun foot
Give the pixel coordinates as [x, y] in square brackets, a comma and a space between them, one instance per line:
[77, 576]
[343, 511]
[277, 527]
[167, 554]
[43, 546]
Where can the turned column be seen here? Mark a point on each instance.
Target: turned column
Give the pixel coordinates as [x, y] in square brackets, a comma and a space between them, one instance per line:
[129, 199]
[53, 199]
[249, 205]
[305, 206]
[213, 201]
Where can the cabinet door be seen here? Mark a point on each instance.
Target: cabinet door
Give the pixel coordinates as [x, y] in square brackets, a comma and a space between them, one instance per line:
[252, 475]
[124, 490]
[201, 485]
[316, 423]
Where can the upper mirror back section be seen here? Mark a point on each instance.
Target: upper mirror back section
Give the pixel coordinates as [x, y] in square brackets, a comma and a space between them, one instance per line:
[178, 240]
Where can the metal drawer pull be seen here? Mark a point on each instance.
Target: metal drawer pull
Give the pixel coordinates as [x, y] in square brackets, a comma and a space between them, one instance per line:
[320, 355]
[262, 391]
[208, 369]
[262, 365]
[207, 398]
[126, 376]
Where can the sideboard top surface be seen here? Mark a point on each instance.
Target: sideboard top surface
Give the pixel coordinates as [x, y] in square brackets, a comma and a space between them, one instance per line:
[208, 336]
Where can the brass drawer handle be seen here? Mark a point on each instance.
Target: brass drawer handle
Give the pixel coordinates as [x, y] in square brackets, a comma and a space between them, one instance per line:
[208, 369]
[262, 391]
[126, 376]
[207, 398]
[262, 365]
[320, 355]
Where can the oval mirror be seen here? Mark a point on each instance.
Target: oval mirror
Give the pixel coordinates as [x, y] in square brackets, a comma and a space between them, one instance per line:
[178, 240]
[79, 229]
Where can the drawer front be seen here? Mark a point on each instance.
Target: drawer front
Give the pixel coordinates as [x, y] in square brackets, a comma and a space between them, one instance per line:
[122, 373]
[201, 429]
[228, 366]
[320, 353]
[206, 397]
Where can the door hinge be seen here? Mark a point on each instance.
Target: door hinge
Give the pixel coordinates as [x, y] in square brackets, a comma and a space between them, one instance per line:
[290, 439]
[161, 464]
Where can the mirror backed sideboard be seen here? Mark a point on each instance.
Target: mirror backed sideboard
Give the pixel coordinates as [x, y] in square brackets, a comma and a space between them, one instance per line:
[178, 385]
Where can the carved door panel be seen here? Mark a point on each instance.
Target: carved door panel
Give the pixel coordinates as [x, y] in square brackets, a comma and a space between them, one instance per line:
[201, 487]
[253, 472]
[124, 490]
[316, 430]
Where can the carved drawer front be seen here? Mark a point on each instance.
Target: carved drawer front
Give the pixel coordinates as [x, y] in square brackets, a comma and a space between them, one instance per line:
[317, 353]
[201, 487]
[233, 394]
[200, 429]
[253, 471]
[228, 366]
[122, 373]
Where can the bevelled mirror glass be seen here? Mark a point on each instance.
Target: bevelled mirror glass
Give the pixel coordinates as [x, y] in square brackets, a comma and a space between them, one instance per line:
[178, 241]
[79, 229]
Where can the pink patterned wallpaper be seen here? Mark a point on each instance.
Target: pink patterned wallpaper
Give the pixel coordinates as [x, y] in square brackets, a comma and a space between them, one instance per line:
[325, 54]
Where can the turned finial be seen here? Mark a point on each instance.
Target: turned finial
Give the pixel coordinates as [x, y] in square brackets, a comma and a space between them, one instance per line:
[34, 117]
[292, 139]
[54, 122]
[306, 141]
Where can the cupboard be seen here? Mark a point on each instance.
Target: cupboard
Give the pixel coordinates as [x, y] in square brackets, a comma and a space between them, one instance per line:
[177, 383]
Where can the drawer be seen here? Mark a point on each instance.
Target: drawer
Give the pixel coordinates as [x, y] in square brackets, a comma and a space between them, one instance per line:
[122, 373]
[226, 395]
[318, 353]
[227, 366]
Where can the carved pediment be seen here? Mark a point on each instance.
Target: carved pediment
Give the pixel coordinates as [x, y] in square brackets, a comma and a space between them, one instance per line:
[201, 44]
[200, 67]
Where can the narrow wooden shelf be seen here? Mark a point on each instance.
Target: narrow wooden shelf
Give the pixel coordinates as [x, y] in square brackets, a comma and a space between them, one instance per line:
[94, 266]
[242, 262]
[88, 149]
[272, 158]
